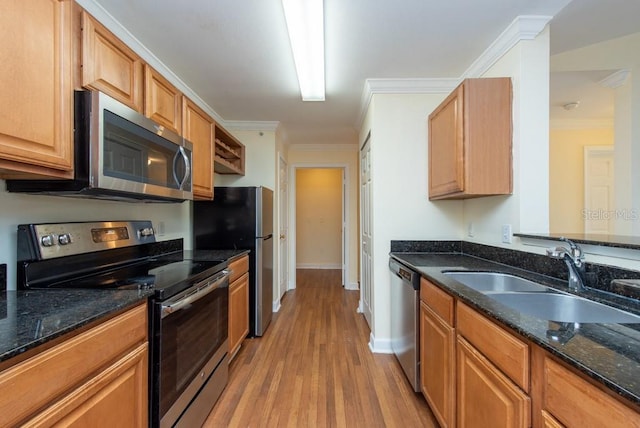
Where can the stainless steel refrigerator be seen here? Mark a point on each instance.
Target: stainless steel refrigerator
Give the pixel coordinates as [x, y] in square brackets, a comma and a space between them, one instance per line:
[242, 218]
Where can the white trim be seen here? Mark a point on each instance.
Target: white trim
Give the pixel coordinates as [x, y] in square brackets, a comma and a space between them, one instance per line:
[292, 212]
[380, 346]
[323, 147]
[318, 266]
[105, 18]
[352, 286]
[255, 125]
[615, 79]
[276, 306]
[525, 27]
[567, 124]
[402, 86]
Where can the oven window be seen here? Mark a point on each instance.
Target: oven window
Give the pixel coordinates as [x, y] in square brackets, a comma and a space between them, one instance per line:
[189, 339]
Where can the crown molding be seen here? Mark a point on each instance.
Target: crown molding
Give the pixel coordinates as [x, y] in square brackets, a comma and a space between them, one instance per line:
[569, 124]
[323, 147]
[524, 27]
[105, 18]
[615, 79]
[246, 125]
[402, 86]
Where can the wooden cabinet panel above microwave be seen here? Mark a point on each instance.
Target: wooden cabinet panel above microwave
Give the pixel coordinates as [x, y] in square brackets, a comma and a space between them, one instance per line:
[109, 65]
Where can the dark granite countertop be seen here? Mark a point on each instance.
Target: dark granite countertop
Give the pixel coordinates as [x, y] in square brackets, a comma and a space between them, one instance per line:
[608, 353]
[31, 318]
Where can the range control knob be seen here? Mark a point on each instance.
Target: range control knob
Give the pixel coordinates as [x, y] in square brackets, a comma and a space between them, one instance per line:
[64, 239]
[47, 240]
[147, 231]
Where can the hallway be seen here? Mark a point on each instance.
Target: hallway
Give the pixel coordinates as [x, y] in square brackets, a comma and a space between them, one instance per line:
[313, 368]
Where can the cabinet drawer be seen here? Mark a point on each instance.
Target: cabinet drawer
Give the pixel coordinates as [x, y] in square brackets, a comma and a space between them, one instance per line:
[574, 401]
[438, 300]
[43, 378]
[238, 268]
[508, 353]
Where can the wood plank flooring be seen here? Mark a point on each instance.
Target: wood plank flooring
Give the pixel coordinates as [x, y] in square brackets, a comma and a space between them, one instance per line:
[313, 368]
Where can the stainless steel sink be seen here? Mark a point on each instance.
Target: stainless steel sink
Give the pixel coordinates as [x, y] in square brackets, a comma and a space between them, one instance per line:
[564, 308]
[492, 282]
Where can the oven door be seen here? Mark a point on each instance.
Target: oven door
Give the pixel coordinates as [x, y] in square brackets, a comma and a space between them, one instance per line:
[190, 342]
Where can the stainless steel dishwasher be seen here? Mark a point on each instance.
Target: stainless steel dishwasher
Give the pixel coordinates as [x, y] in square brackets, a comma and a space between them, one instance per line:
[405, 320]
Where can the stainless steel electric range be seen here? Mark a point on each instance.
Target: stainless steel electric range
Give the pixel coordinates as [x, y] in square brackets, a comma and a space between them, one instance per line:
[188, 315]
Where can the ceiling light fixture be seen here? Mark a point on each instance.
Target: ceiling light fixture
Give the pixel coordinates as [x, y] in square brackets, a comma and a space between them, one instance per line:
[571, 106]
[305, 22]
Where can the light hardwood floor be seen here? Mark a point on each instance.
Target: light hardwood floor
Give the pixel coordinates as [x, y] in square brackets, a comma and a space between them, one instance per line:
[314, 368]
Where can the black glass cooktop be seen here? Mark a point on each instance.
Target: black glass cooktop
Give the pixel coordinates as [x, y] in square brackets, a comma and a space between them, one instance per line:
[165, 275]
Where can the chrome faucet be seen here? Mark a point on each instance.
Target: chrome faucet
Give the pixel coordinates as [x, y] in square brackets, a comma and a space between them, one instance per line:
[574, 258]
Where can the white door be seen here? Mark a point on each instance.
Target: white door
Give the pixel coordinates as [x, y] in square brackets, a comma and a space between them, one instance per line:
[283, 284]
[599, 212]
[366, 271]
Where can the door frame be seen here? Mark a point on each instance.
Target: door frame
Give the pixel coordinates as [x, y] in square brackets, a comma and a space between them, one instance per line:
[283, 250]
[346, 268]
[590, 153]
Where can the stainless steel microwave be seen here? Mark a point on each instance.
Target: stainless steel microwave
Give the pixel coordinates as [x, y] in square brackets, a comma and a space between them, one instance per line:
[121, 155]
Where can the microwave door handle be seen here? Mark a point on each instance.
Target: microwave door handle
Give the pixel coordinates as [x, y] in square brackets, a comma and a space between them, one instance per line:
[187, 167]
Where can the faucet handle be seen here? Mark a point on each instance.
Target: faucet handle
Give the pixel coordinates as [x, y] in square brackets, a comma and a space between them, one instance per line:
[576, 250]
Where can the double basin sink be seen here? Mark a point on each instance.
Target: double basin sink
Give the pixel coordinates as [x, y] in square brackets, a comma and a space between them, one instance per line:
[540, 301]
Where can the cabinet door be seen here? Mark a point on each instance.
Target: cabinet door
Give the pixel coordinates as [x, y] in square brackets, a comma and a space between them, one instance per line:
[238, 313]
[162, 101]
[36, 116]
[446, 138]
[109, 65]
[486, 397]
[437, 365]
[198, 128]
[117, 397]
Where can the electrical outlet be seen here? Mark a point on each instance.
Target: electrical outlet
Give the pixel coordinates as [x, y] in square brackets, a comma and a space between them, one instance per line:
[470, 230]
[160, 229]
[507, 236]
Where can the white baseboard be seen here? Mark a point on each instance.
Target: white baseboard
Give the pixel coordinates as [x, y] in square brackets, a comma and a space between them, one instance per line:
[276, 305]
[317, 266]
[352, 286]
[380, 346]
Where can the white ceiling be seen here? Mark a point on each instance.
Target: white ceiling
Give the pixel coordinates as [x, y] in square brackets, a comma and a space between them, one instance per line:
[235, 54]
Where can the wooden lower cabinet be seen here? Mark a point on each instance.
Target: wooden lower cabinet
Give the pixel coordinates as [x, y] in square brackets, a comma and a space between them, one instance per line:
[238, 304]
[437, 373]
[568, 399]
[437, 352]
[98, 378]
[485, 396]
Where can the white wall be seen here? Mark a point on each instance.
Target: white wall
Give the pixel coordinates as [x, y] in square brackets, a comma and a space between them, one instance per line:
[527, 209]
[400, 205]
[174, 219]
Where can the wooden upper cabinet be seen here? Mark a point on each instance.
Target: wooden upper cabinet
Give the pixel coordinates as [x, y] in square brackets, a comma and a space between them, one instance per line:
[162, 101]
[199, 128]
[470, 141]
[36, 101]
[109, 65]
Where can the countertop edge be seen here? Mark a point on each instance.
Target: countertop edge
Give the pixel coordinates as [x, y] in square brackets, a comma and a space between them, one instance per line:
[468, 298]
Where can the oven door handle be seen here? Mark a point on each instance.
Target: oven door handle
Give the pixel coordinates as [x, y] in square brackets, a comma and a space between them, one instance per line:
[199, 291]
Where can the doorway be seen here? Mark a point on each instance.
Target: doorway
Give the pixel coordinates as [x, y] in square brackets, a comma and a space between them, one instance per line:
[318, 223]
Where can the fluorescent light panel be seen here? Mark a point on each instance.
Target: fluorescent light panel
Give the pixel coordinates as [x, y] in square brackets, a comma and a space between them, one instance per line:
[305, 22]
